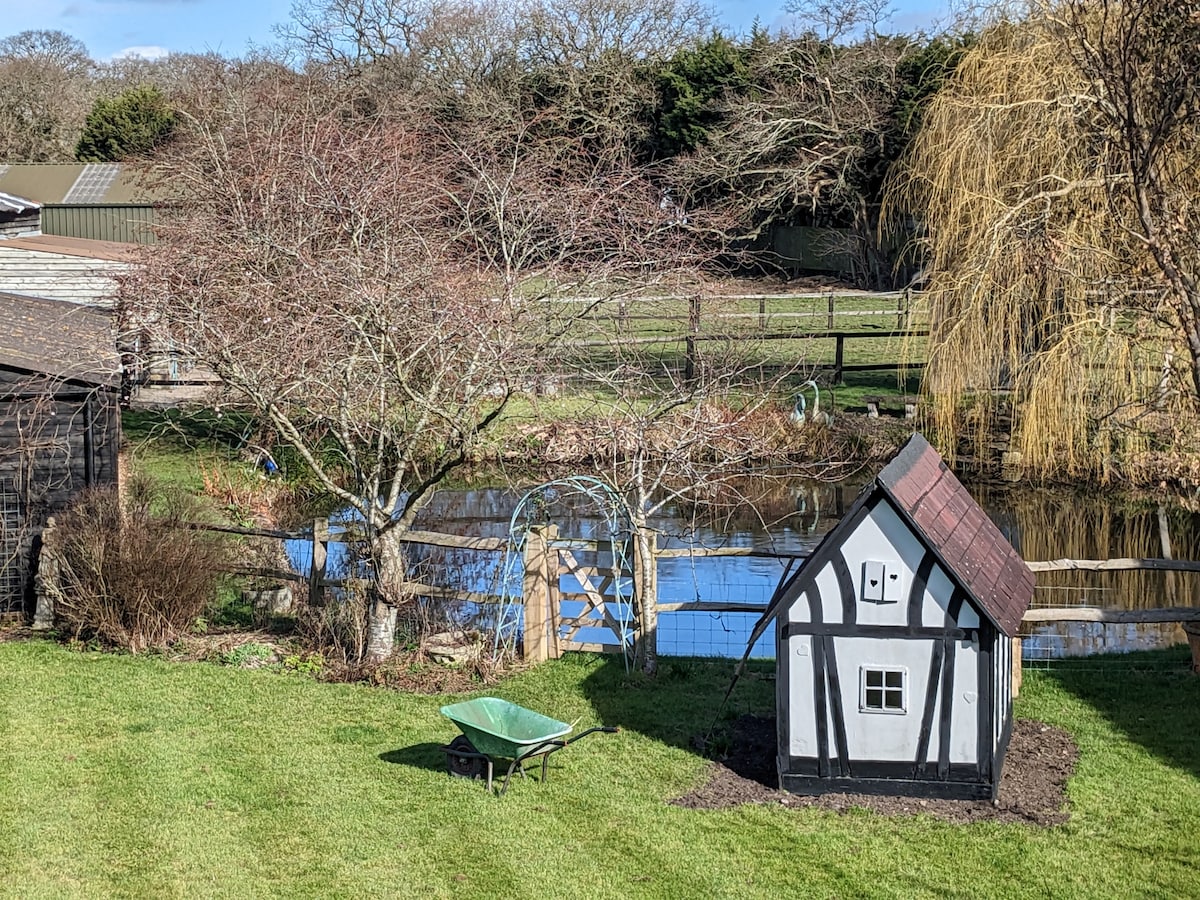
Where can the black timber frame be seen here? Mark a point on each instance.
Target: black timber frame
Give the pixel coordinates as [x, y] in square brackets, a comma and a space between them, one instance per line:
[86, 419]
[837, 772]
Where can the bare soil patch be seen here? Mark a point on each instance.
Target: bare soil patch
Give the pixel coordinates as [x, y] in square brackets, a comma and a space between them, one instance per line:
[1032, 790]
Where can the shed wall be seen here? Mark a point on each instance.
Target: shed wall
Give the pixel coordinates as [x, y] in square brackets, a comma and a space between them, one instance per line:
[55, 440]
[58, 276]
[126, 223]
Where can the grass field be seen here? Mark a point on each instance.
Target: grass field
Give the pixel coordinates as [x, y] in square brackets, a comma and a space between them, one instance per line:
[774, 332]
[138, 777]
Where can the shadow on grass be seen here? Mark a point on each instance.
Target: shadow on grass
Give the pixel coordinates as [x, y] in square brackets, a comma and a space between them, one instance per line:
[186, 427]
[682, 705]
[1152, 697]
[428, 756]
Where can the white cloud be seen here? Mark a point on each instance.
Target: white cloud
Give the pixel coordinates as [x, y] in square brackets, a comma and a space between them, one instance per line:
[142, 52]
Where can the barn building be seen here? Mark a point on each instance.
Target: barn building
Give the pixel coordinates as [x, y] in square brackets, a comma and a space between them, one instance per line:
[894, 642]
[59, 422]
[96, 201]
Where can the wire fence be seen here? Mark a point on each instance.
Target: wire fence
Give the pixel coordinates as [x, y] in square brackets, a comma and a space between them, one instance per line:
[739, 581]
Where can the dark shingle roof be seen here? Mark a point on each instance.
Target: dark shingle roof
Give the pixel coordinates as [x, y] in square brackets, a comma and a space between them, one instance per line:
[58, 338]
[957, 529]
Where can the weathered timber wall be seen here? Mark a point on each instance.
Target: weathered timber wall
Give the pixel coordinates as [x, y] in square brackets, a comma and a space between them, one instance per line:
[56, 438]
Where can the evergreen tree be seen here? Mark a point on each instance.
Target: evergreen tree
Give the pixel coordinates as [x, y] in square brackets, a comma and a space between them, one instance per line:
[132, 123]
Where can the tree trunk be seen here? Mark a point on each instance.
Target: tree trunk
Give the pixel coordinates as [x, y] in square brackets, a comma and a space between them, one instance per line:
[381, 631]
[645, 574]
[390, 578]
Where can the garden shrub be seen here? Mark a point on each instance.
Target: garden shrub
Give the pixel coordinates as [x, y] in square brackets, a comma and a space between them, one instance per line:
[130, 574]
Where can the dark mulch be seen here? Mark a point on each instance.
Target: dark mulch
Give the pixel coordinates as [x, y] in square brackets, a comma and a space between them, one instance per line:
[1032, 790]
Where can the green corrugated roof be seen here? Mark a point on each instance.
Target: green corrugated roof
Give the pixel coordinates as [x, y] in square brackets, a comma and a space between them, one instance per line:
[52, 183]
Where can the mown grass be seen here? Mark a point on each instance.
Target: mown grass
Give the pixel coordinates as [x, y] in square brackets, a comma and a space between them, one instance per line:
[179, 445]
[131, 776]
[779, 332]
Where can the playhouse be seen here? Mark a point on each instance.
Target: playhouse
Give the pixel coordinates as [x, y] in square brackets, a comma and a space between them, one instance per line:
[894, 642]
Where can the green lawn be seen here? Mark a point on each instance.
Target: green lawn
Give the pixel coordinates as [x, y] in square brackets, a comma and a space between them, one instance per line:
[747, 321]
[129, 776]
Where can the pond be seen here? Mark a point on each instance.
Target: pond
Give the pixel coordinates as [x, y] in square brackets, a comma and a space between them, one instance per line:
[790, 516]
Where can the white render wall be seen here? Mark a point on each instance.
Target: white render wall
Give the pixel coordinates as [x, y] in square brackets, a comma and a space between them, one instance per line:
[884, 537]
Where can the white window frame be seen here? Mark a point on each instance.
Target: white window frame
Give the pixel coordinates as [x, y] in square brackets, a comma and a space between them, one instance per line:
[885, 709]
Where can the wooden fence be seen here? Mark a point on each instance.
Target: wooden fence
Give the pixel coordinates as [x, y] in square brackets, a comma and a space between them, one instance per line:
[696, 326]
[550, 560]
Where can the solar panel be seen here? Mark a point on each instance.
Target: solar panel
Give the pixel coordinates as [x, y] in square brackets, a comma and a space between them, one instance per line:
[93, 183]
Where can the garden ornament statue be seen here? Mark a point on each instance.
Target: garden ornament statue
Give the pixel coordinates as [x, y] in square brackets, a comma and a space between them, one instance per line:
[801, 415]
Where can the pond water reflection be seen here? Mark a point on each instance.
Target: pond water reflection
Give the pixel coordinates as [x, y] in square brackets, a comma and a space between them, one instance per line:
[791, 516]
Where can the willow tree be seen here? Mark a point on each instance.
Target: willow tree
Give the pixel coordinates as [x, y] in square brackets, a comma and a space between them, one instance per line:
[1054, 179]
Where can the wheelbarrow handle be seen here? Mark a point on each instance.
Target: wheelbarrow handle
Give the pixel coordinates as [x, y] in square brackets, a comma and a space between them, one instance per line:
[607, 729]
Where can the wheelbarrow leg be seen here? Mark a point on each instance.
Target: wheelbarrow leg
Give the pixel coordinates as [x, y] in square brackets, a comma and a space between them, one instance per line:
[508, 775]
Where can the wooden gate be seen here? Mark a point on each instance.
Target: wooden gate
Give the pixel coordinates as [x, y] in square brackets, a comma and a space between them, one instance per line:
[594, 584]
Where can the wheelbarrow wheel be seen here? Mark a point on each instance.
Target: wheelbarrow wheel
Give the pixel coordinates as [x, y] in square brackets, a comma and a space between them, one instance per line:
[464, 766]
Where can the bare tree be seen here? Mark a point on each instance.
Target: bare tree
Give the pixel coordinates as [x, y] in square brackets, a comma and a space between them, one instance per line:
[802, 145]
[1141, 62]
[663, 432]
[371, 285]
[45, 95]
[580, 33]
[406, 43]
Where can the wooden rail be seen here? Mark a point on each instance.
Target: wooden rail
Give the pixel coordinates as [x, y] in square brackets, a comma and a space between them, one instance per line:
[555, 556]
[1114, 565]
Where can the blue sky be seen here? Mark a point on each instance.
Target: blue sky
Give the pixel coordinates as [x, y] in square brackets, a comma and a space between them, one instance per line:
[152, 27]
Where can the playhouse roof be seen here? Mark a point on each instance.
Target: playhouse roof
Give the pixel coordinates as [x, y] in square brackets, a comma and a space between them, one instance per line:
[945, 515]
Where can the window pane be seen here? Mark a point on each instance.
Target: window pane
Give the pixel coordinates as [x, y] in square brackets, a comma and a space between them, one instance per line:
[893, 699]
[894, 679]
[874, 698]
[874, 678]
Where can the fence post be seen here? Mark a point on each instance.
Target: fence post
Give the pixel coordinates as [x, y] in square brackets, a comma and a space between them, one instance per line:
[693, 330]
[902, 309]
[554, 569]
[839, 354]
[1017, 674]
[46, 580]
[541, 614]
[320, 555]
[762, 315]
[829, 317]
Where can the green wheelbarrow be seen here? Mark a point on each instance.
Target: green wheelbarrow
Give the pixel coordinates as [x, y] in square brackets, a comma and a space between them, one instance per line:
[496, 729]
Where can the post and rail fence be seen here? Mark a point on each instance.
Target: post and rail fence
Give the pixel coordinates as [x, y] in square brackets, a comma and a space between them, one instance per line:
[694, 326]
[549, 560]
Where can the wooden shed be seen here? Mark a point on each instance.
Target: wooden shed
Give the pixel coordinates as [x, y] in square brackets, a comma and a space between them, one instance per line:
[58, 268]
[59, 422]
[893, 642]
